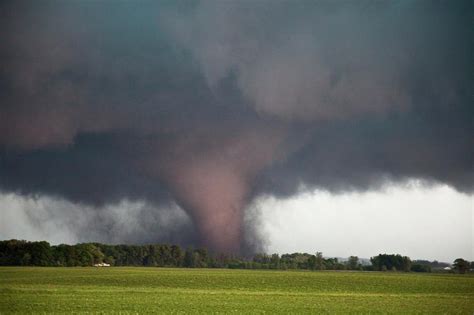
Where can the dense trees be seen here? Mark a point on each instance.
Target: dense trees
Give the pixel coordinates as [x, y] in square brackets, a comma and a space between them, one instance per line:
[430, 264]
[353, 263]
[23, 253]
[420, 268]
[384, 262]
[461, 265]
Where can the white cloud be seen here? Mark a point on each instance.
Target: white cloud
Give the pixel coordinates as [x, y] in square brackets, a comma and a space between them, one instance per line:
[418, 221]
[414, 220]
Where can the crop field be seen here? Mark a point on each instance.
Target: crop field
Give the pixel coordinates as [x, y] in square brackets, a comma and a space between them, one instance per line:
[139, 290]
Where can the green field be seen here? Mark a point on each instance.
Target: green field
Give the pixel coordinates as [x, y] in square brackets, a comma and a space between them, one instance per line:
[150, 290]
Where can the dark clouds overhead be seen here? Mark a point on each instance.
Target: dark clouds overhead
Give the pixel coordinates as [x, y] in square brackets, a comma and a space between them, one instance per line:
[212, 103]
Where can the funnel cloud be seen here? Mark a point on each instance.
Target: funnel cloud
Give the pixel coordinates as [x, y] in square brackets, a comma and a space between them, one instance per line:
[204, 106]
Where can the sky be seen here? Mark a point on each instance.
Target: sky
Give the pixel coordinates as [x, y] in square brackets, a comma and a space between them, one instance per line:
[176, 121]
[420, 221]
[434, 223]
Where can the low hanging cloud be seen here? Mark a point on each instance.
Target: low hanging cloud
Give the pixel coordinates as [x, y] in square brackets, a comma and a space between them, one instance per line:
[207, 105]
[61, 221]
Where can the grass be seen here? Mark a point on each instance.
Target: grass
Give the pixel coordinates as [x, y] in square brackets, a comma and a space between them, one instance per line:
[135, 290]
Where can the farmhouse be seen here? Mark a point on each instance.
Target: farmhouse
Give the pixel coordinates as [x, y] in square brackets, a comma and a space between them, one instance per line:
[102, 265]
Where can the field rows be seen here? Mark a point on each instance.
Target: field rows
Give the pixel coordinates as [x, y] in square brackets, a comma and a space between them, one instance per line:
[147, 290]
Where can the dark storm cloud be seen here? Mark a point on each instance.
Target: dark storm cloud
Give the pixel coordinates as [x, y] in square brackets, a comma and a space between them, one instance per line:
[209, 104]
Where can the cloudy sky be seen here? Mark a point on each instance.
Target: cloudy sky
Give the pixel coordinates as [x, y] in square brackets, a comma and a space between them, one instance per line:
[434, 223]
[344, 127]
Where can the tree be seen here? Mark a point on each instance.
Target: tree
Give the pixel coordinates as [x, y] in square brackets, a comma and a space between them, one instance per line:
[391, 262]
[461, 265]
[189, 258]
[319, 261]
[177, 255]
[41, 254]
[420, 268]
[406, 264]
[26, 259]
[312, 262]
[353, 263]
[109, 260]
[200, 257]
[275, 261]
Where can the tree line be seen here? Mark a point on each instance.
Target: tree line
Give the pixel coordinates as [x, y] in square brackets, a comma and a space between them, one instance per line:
[25, 253]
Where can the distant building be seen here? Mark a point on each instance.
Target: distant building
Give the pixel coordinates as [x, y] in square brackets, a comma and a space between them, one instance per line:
[102, 265]
[447, 268]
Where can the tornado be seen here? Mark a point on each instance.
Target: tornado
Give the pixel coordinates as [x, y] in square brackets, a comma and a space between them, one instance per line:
[214, 184]
[215, 196]
[193, 109]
